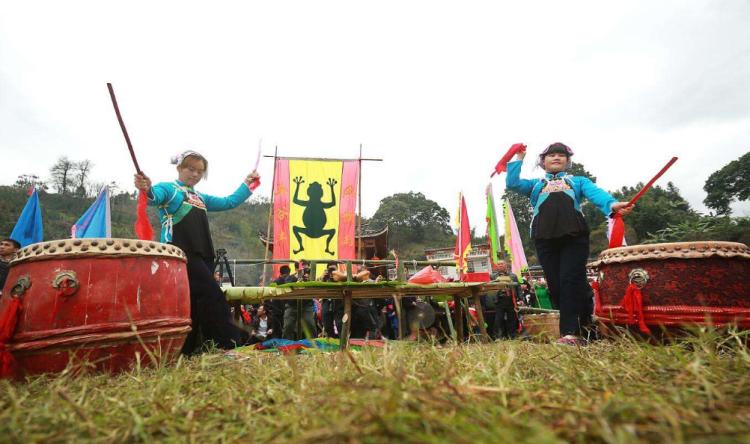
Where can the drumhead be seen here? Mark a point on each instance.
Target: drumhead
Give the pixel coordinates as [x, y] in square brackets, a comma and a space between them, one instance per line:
[86, 248]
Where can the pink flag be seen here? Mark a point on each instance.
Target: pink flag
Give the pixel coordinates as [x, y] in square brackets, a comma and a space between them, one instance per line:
[513, 244]
[348, 211]
[281, 212]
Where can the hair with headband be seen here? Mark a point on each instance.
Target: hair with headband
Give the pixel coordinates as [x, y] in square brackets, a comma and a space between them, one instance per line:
[189, 155]
[556, 147]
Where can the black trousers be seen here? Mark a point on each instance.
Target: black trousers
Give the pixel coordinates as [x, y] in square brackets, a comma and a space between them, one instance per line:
[506, 318]
[278, 307]
[208, 308]
[489, 319]
[363, 323]
[329, 317]
[564, 262]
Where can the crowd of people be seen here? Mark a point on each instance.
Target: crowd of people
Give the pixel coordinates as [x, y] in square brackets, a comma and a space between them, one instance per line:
[378, 318]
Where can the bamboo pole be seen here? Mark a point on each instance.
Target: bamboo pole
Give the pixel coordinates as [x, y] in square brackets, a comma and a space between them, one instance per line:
[359, 201]
[459, 319]
[320, 159]
[450, 321]
[467, 319]
[270, 218]
[399, 316]
[341, 261]
[480, 316]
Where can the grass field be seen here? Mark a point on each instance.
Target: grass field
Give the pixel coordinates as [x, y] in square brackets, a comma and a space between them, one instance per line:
[697, 390]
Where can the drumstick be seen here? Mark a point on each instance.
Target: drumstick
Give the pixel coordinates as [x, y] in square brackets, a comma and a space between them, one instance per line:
[122, 126]
[257, 160]
[256, 182]
[651, 182]
[618, 226]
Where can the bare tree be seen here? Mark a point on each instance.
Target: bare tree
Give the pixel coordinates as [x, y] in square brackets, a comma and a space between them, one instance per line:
[62, 174]
[27, 181]
[93, 188]
[114, 188]
[83, 169]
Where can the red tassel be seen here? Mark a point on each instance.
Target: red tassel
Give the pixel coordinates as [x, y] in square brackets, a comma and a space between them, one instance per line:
[618, 232]
[143, 228]
[7, 327]
[60, 293]
[633, 304]
[597, 299]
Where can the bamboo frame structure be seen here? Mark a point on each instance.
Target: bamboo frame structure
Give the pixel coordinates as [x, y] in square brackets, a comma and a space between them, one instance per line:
[266, 262]
[347, 291]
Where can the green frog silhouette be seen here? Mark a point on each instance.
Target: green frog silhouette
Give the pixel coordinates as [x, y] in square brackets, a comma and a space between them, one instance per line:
[314, 216]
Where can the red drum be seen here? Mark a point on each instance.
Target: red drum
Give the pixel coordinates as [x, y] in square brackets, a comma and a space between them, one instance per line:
[675, 284]
[99, 303]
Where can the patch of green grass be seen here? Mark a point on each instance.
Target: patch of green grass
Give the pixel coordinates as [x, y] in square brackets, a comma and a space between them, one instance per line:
[694, 390]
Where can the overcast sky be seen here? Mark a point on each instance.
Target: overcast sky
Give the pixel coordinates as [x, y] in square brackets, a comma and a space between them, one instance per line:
[439, 90]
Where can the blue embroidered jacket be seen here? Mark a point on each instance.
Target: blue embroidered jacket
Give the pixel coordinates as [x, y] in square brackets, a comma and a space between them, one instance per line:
[580, 187]
[168, 196]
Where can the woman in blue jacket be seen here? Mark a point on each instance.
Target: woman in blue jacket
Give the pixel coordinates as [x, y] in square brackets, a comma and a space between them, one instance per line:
[182, 212]
[561, 234]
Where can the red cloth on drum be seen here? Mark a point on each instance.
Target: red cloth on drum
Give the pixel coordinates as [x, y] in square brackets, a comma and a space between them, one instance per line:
[7, 327]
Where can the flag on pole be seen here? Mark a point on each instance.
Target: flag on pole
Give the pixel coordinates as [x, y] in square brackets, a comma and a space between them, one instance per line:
[97, 220]
[493, 235]
[463, 238]
[314, 209]
[28, 229]
[513, 244]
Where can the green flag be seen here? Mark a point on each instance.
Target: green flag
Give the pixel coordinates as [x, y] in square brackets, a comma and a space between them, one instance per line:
[492, 232]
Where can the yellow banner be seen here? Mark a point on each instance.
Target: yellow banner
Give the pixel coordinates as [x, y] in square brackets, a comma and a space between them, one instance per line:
[314, 195]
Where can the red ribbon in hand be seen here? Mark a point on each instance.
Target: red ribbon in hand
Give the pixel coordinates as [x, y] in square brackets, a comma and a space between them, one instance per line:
[502, 166]
[254, 184]
[143, 228]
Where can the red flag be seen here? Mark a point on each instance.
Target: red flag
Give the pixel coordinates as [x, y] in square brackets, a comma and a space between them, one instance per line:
[463, 239]
[502, 166]
[143, 228]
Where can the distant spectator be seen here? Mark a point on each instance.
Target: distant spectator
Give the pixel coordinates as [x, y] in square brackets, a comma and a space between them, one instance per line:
[307, 325]
[262, 325]
[529, 298]
[506, 318]
[277, 305]
[488, 302]
[329, 307]
[8, 248]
